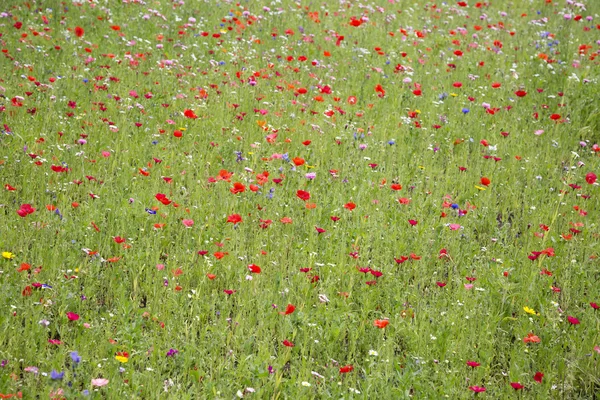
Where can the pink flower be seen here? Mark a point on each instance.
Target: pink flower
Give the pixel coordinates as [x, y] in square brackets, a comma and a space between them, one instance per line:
[573, 320]
[188, 222]
[72, 316]
[477, 389]
[99, 382]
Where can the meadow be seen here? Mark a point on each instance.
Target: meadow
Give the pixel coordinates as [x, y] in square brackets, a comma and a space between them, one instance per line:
[296, 200]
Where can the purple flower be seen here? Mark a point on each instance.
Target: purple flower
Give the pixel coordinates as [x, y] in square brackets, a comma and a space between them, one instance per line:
[172, 352]
[57, 375]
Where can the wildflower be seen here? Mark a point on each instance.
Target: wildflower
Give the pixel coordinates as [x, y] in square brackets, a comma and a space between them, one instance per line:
[530, 311]
[75, 357]
[54, 375]
[172, 352]
[99, 382]
[8, 255]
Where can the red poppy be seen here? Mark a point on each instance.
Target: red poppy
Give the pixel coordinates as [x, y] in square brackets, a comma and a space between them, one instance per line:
[346, 369]
[381, 323]
[287, 343]
[298, 161]
[555, 117]
[573, 320]
[350, 206]
[79, 31]
[288, 310]
[485, 181]
[521, 93]
[234, 218]
[396, 186]
[473, 364]
[190, 114]
[538, 377]
[255, 269]
[516, 385]
[238, 187]
[303, 195]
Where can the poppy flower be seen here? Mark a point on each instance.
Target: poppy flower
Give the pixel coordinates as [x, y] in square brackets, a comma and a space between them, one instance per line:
[288, 310]
[441, 284]
[485, 181]
[381, 323]
[234, 218]
[520, 93]
[346, 369]
[255, 269]
[555, 117]
[298, 161]
[79, 31]
[473, 364]
[350, 206]
[538, 377]
[516, 385]
[573, 320]
[303, 195]
[238, 187]
[189, 114]
[531, 338]
[287, 343]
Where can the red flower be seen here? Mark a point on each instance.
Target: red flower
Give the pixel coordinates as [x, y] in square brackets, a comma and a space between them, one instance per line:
[485, 181]
[303, 195]
[413, 222]
[346, 369]
[79, 31]
[573, 320]
[521, 93]
[190, 114]
[594, 306]
[381, 323]
[287, 343]
[350, 206]
[238, 187]
[288, 310]
[538, 377]
[255, 269]
[441, 284]
[555, 117]
[473, 364]
[234, 218]
[516, 385]
[590, 178]
[298, 161]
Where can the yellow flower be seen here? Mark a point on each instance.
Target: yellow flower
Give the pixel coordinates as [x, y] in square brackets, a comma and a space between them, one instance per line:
[530, 311]
[121, 359]
[8, 255]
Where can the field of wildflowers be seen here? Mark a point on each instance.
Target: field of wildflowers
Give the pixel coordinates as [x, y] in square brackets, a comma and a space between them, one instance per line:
[291, 199]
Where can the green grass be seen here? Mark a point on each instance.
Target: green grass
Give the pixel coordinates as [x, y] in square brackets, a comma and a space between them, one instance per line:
[131, 297]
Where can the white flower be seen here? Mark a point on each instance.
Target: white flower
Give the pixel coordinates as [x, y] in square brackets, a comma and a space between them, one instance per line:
[373, 353]
[306, 384]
